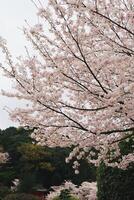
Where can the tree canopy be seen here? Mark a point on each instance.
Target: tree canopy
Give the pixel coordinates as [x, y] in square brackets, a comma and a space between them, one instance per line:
[80, 81]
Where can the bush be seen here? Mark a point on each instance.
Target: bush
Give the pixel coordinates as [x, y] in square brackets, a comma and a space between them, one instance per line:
[115, 184]
[21, 196]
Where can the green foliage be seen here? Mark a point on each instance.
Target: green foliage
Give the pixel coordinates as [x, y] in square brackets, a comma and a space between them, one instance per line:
[7, 174]
[34, 157]
[4, 191]
[64, 171]
[114, 183]
[10, 139]
[38, 163]
[127, 146]
[27, 183]
[32, 152]
[21, 196]
[65, 195]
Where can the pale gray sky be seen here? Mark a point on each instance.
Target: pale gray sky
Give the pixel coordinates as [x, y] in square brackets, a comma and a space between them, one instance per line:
[12, 16]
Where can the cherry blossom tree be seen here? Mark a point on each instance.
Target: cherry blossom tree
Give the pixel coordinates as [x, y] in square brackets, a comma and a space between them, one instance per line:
[79, 84]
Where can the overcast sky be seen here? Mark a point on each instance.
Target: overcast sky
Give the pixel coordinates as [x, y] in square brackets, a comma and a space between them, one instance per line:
[12, 16]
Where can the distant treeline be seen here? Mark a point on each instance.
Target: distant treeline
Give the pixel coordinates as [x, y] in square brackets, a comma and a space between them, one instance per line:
[36, 166]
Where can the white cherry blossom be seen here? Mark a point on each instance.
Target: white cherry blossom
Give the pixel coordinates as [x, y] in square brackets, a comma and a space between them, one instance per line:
[80, 82]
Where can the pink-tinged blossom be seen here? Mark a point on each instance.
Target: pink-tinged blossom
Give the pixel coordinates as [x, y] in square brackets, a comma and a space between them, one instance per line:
[36, 29]
[41, 12]
[86, 191]
[3, 157]
[80, 84]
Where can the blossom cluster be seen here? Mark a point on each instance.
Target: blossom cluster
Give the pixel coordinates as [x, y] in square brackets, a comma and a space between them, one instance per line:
[15, 185]
[86, 191]
[3, 157]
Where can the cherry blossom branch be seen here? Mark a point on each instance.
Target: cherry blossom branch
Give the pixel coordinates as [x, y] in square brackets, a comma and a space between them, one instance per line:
[50, 108]
[84, 109]
[117, 131]
[84, 59]
[123, 138]
[59, 126]
[112, 21]
[109, 19]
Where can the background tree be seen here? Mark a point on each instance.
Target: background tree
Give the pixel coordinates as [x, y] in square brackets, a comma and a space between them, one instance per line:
[10, 139]
[37, 166]
[80, 82]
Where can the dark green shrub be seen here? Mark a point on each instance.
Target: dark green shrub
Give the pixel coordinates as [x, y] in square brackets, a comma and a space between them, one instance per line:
[115, 184]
